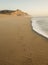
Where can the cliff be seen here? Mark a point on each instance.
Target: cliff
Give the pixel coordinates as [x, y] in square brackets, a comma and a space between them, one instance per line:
[14, 12]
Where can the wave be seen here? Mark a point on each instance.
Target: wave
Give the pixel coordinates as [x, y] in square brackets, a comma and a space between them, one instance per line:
[40, 25]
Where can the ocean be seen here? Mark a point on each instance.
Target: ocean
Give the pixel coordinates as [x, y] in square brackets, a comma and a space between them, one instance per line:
[40, 25]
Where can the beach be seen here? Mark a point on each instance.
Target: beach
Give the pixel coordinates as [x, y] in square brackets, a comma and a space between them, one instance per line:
[19, 44]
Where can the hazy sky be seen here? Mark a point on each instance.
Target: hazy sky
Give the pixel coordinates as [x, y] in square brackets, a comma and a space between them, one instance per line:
[33, 7]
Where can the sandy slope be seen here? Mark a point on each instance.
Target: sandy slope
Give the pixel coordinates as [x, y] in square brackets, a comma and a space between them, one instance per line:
[19, 44]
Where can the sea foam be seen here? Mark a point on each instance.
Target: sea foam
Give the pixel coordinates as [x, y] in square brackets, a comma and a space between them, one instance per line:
[40, 25]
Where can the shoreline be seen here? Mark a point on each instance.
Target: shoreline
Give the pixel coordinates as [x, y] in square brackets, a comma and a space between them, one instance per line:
[37, 29]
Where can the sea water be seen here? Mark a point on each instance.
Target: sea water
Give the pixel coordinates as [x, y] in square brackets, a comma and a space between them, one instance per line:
[40, 25]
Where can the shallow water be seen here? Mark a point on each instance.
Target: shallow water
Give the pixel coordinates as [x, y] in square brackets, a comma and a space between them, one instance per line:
[40, 25]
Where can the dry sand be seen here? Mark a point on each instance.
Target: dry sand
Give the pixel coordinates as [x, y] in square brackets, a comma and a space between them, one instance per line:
[19, 44]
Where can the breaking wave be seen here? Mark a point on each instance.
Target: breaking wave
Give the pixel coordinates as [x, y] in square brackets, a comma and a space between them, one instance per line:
[40, 25]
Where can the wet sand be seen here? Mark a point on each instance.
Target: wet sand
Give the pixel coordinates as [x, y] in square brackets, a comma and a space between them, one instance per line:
[19, 44]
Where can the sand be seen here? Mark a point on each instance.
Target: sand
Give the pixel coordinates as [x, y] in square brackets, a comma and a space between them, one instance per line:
[19, 44]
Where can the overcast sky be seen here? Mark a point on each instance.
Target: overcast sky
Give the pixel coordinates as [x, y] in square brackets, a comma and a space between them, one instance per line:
[33, 7]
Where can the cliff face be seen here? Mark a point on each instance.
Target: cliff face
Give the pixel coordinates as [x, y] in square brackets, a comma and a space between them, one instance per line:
[13, 12]
[19, 13]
